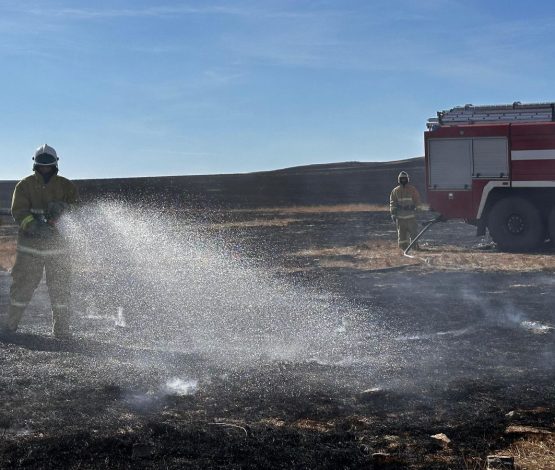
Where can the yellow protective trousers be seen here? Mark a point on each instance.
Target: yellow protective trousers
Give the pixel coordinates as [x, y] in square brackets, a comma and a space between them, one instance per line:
[407, 230]
[30, 264]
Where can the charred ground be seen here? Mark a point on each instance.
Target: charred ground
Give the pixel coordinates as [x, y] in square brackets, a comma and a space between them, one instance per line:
[470, 351]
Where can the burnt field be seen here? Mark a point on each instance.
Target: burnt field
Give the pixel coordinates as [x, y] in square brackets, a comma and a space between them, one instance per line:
[282, 338]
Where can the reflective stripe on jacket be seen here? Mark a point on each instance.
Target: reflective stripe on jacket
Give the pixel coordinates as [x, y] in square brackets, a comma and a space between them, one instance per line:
[32, 195]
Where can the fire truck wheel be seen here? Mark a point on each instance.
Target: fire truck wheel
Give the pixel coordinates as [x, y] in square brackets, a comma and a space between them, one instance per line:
[515, 224]
[551, 225]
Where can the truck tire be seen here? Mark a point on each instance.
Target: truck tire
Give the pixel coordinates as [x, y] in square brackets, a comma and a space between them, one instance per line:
[515, 224]
[551, 225]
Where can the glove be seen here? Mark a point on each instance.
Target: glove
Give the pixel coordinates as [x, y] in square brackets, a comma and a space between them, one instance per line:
[55, 210]
[38, 229]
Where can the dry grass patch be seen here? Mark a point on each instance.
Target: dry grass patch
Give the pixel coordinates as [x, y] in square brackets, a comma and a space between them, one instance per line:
[254, 223]
[453, 257]
[383, 254]
[533, 452]
[320, 209]
[375, 254]
[7, 253]
[312, 425]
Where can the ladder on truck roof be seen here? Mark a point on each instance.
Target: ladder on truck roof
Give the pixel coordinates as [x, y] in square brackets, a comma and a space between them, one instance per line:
[516, 112]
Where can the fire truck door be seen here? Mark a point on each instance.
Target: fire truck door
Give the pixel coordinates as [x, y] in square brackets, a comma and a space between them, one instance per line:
[490, 157]
[490, 161]
[450, 163]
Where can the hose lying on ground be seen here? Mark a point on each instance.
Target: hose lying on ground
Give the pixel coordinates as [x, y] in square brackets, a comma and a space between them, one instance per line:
[427, 225]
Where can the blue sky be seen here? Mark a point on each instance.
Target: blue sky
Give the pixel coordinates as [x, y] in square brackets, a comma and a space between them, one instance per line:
[136, 87]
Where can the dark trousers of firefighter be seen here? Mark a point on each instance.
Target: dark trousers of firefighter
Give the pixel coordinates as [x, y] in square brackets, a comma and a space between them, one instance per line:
[26, 276]
[407, 229]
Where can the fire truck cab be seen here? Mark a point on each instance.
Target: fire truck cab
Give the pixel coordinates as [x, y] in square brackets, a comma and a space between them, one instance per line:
[494, 167]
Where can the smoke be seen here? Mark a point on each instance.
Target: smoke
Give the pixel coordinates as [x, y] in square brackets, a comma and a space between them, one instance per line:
[502, 312]
[179, 387]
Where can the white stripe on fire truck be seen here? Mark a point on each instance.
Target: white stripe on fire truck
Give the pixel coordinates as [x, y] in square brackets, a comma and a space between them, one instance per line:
[533, 154]
[505, 184]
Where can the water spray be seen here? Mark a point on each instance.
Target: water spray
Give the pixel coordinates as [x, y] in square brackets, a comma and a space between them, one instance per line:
[172, 286]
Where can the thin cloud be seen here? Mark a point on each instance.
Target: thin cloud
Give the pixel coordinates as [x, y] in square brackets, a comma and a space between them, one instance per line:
[157, 12]
[478, 55]
[161, 12]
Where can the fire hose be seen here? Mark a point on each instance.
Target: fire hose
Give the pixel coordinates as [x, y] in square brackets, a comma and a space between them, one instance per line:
[427, 225]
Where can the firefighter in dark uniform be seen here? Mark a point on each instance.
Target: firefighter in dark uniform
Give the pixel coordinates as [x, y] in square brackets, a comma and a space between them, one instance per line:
[38, 202]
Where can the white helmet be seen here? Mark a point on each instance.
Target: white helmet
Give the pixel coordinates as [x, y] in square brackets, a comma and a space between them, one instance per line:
[403, 174]
[45, 156]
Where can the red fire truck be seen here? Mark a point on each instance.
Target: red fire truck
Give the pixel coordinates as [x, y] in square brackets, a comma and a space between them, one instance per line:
[494, 167]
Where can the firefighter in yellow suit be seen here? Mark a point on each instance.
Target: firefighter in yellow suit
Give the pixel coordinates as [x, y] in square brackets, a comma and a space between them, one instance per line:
[403, 202]
[38, 202]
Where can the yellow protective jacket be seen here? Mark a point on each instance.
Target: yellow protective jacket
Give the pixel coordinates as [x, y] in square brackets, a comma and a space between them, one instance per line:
[403, 201]
[30, 200]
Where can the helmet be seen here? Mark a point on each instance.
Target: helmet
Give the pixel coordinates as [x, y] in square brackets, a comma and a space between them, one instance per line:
[403, 174]
[45, 156]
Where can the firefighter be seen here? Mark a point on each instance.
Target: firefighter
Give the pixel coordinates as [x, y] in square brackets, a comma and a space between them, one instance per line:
[37, 204]
[403, 203]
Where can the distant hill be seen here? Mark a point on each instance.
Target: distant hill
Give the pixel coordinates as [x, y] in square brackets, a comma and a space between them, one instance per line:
[330, 183]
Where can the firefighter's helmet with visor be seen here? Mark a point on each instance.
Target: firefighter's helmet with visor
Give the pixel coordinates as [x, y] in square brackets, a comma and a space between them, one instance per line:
[403, 178]
[45, 156]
